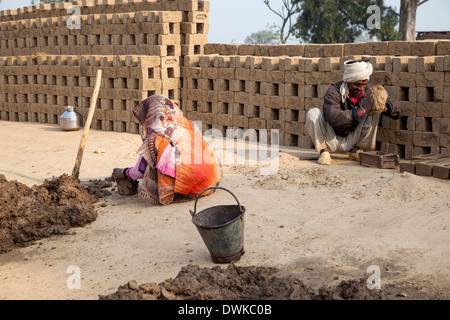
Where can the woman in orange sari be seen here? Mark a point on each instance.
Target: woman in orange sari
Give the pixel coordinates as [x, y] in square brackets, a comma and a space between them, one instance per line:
[175, 163]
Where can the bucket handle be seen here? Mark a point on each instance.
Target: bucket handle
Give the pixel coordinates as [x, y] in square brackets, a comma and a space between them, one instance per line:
[193, 213]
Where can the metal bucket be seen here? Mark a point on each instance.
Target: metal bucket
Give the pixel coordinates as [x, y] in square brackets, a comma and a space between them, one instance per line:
[222, 229]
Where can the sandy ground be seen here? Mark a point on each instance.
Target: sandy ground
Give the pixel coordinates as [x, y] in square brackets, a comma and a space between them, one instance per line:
[324, 224]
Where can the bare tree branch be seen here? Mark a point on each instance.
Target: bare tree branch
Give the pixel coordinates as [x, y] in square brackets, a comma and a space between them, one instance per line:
[422, 2]
[288, 10]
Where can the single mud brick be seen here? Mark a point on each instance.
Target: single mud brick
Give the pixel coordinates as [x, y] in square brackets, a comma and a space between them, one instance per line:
[296, 103]
[275, 102]
[225, 73]
[277, 50]
[439, 63]
[430, 79]
[332, 77]
[295, 50]
[262, 50]
[429, 109]
[404, 79]
[198, 16]
[212, 48]
[409, 109]
[313, 103]
[259, 75]
[314, 78]
[399, 48]
[354, 49]
[294, 127]
[403, 137]
[383, 134]
[442, 170]
[444, 125]
[435, 125]
[377, 77]
[408, 152]
[246, 49]
[447, 63]
[443, 47]
[411, 123]
[426, 139]
[377, 48]
[240, 121]
[203, 5]
[423, 48]
[444, 140]
[199, 39]
[407, 166]
[257, 124]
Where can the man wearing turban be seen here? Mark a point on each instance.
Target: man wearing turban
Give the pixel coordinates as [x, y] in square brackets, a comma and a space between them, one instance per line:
[352, 109]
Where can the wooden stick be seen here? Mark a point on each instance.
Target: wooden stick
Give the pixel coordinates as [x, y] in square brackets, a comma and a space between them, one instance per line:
[76, 168]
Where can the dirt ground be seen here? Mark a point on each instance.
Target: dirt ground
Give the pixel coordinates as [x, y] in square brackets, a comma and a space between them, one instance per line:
[311, 232]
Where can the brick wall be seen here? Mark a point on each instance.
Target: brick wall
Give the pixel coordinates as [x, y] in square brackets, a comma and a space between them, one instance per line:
[140, 45]
[146, 47]
[266, 87]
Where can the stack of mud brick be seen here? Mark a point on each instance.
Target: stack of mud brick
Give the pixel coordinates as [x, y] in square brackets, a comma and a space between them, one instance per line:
[38, 89]
[257, 92]
[265, 87]
[139, 45]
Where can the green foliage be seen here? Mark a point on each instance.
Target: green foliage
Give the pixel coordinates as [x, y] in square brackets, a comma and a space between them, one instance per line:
[263, 37]
[342, 21]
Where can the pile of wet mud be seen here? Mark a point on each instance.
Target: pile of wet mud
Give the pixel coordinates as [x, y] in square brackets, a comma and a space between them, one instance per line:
[99, 188]
[29, 214]
[251, 283]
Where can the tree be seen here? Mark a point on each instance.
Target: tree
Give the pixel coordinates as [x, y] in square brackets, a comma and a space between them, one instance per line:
[262, 37]
[408, 9]
[287, 12]
[342, 21]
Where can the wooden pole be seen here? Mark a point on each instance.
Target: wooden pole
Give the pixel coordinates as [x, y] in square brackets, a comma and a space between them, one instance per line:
[76, 168]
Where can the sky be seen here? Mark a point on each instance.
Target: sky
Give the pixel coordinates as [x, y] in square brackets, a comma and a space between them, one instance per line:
[231, 21]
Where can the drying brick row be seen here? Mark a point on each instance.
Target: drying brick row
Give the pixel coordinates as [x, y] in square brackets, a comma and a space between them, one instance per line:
[265, 93]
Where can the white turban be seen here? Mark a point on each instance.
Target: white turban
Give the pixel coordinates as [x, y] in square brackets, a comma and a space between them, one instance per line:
[354, 71]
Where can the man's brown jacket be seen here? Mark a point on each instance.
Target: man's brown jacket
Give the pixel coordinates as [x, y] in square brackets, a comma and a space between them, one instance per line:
[344, 117]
